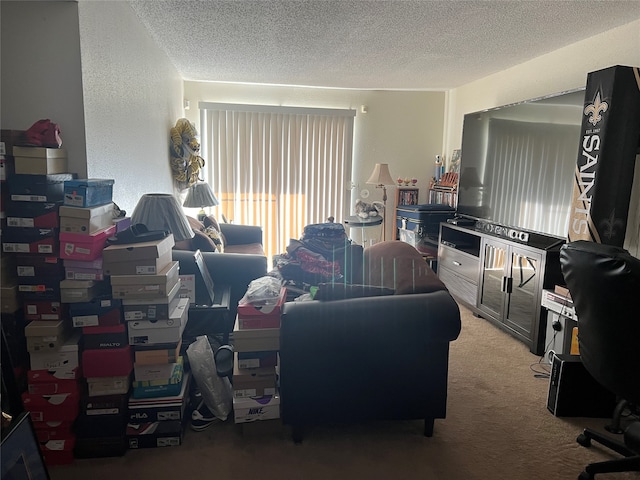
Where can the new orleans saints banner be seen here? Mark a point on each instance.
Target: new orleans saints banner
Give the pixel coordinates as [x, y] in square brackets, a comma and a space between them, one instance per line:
[610, 137]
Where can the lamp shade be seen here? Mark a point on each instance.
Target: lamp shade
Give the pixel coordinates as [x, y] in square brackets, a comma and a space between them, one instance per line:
[381, 175]
[200, 195]
[162, 211]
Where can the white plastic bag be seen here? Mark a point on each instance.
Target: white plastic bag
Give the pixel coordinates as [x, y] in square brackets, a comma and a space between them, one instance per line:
[216, 392]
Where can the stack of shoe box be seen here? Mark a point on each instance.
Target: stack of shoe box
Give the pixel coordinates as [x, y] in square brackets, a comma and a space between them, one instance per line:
[36, 188]
[107, 363]
[87, 206]
[145, 278]
[256, 338]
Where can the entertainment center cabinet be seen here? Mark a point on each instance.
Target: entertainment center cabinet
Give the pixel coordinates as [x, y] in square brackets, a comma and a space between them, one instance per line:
[499, 277]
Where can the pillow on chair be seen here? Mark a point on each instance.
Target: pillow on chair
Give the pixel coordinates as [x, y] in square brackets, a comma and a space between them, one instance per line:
[398, 265]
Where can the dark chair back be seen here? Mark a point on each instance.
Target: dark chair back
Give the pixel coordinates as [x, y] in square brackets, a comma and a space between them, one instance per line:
[604, 282]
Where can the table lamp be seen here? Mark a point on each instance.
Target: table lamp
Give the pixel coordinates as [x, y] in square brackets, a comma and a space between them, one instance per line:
[162, 211]
[381, 178]
[200, 195]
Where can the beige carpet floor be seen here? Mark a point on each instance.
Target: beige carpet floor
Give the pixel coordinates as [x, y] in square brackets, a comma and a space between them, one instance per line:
[497, 427]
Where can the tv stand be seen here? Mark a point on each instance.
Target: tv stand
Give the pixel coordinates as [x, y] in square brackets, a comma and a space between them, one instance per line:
[499, 279]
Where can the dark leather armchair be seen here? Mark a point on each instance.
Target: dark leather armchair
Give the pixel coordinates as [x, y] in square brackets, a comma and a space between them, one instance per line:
[604, 282]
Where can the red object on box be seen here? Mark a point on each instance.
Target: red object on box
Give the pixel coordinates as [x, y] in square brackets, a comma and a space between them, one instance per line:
[51, 382]
[78, 246]
[111, 362]
[49, 408]
[261, 316]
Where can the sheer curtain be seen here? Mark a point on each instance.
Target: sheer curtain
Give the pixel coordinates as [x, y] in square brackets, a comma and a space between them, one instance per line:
[278, 167]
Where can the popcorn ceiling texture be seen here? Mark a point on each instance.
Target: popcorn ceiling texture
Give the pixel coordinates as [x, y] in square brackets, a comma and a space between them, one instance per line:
[368, 44]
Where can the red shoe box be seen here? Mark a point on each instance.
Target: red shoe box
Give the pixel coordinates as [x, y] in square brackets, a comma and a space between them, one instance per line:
[261, 316]
[51, 382]
[105, 337]
[44, 310]
[58, 430]
[78, 246]
[47, 408]
[58, 452]
[112, 362]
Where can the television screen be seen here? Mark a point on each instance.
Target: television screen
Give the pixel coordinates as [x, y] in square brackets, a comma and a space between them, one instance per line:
[518, 161]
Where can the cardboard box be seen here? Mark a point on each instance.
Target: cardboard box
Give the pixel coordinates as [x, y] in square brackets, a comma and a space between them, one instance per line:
[88, 192]
[254, 409]
[98, 312]
[143, 309]
[67, 357]
[30, 240]
[99, 386]
[77, 246]
[143, 266]
[257, 359]
[107, 425]
[40, 328]
[261, 316]
[38, 188]
[113, 336]
[160, 388]
[58, 452]
[50, 382]
[163, 354]
[105, 405]
[255, 339]
[155, 434]
[47, 343]
[112, 362]
[44, 310]
[132, 252]
[33, 214]
[56, 430]
[58, 407]
[99, 447]
[38, 266]
[72, 273]
[9, 298]
[144, 286]
[142, 410]
[40, 160]
[86, 220]
[146, 332]
[74, 291]
[253, 382]
[159, 371]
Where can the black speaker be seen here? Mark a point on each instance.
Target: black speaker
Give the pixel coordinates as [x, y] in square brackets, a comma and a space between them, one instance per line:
[574, 393]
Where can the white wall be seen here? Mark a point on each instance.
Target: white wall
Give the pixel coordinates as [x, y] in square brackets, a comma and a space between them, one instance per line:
[41, 76]
[403, 129]
[132, 97]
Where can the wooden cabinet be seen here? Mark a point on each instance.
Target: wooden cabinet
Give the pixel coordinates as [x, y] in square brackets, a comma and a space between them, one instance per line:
[500, 280]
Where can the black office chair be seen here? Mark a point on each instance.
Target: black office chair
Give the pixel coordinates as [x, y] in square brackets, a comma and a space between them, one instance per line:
[604, 282]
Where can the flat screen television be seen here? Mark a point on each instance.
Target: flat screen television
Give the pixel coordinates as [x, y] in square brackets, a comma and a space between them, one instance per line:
[518, 161]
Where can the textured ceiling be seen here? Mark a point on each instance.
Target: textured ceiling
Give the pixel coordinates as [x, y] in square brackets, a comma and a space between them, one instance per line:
[368, 44]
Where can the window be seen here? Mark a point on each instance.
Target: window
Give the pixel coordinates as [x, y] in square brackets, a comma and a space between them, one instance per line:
[278, 167]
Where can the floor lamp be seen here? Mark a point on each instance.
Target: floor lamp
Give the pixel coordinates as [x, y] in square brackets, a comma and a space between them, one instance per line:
[381, 178]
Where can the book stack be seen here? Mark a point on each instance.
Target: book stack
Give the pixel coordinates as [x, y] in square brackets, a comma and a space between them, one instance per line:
[145, 278]
[256, 337]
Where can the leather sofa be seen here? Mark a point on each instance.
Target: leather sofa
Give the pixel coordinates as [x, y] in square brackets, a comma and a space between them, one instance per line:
[235, 238]
[369, 358]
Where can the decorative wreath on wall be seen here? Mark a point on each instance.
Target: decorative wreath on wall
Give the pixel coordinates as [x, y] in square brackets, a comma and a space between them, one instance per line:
[186, 161]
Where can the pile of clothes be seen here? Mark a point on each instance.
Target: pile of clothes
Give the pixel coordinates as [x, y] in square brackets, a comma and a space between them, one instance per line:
[316, 257]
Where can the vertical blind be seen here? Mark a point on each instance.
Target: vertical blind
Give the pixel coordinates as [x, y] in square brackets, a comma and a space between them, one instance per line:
[278, 167]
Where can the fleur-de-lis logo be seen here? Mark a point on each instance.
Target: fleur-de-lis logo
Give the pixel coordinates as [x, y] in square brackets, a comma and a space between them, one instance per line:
[595, 109]
[611, 225]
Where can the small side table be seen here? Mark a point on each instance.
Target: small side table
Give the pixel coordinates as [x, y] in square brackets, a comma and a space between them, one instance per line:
[363, 224]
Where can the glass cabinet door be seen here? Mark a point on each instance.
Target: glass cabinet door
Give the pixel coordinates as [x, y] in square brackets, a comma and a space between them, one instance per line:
[522, 301]
[494, 262]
